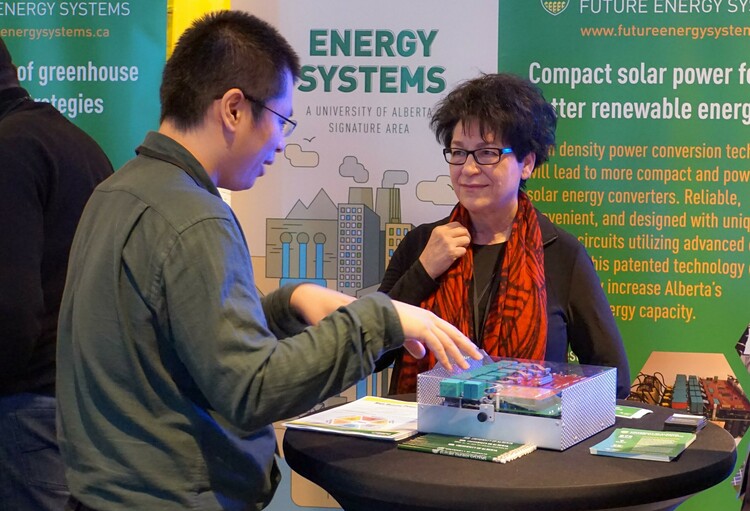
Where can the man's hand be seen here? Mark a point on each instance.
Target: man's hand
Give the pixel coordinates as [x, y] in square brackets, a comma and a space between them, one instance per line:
[446, 244]
[423, 329]
[314, 302]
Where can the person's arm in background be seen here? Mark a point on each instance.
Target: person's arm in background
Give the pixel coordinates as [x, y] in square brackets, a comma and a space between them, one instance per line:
[423, 256]
[22, 234]
[592, 330]
[405, 279]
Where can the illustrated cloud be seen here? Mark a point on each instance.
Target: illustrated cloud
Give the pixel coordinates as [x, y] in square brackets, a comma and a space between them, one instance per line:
[299, 158]
[350, 167]
[439, 192]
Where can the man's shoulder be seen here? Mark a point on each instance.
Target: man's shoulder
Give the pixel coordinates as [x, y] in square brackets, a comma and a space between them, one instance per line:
[166, 189]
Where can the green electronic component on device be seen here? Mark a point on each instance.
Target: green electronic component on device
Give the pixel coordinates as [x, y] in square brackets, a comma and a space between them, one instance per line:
[474, 389]
[451, 387]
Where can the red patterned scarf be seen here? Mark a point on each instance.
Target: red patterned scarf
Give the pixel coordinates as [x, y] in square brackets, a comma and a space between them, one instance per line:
[517, 321]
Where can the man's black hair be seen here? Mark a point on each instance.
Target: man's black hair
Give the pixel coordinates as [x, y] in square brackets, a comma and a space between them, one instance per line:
[219, 51]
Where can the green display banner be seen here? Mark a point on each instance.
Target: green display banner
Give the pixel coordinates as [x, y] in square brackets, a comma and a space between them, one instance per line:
[651, 169]
[99, 63]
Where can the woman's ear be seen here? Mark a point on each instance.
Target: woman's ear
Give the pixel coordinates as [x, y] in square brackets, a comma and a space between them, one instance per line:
[529, 161]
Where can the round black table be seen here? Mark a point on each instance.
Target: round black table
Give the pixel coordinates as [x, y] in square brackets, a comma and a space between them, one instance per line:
[363, 474]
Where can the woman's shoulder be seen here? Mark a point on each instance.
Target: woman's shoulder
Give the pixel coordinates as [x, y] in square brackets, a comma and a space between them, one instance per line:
[560, 244]
[564, 254]
[554, 236]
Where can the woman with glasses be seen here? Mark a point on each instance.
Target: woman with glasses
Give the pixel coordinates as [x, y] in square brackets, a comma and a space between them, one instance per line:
[497, 268]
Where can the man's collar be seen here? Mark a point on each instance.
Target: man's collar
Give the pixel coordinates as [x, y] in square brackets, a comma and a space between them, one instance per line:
[160, 146]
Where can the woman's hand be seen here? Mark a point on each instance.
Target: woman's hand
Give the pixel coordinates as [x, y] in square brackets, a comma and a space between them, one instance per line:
[446, 244]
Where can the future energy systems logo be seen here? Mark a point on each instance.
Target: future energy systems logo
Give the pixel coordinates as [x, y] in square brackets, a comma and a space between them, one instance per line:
[555, 7]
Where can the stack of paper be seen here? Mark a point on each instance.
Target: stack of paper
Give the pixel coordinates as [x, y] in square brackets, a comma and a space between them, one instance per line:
[684, 422]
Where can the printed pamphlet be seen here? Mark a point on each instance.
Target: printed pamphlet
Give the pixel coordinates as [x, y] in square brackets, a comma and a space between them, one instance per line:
[642, 444]
[370, 416]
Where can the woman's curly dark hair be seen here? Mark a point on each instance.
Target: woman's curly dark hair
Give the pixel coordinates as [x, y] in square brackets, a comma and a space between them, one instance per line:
[503, 104]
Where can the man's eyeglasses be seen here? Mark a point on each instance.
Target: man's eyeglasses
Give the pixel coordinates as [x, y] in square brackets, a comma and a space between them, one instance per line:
[288, 125]
[483, 155]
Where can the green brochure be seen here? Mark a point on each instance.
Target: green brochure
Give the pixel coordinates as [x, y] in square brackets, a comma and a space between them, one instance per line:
[642, 444]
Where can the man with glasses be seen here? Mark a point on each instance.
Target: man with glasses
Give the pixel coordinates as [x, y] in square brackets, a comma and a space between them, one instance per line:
[287, 124]
[171, 368]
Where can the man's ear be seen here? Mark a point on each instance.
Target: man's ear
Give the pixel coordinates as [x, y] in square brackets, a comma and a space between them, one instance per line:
[230, 108]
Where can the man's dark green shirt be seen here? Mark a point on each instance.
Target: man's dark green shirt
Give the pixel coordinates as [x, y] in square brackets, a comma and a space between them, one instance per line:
[170, 367]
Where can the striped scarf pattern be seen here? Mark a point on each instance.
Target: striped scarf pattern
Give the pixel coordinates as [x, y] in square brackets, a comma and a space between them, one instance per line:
[517, 321]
